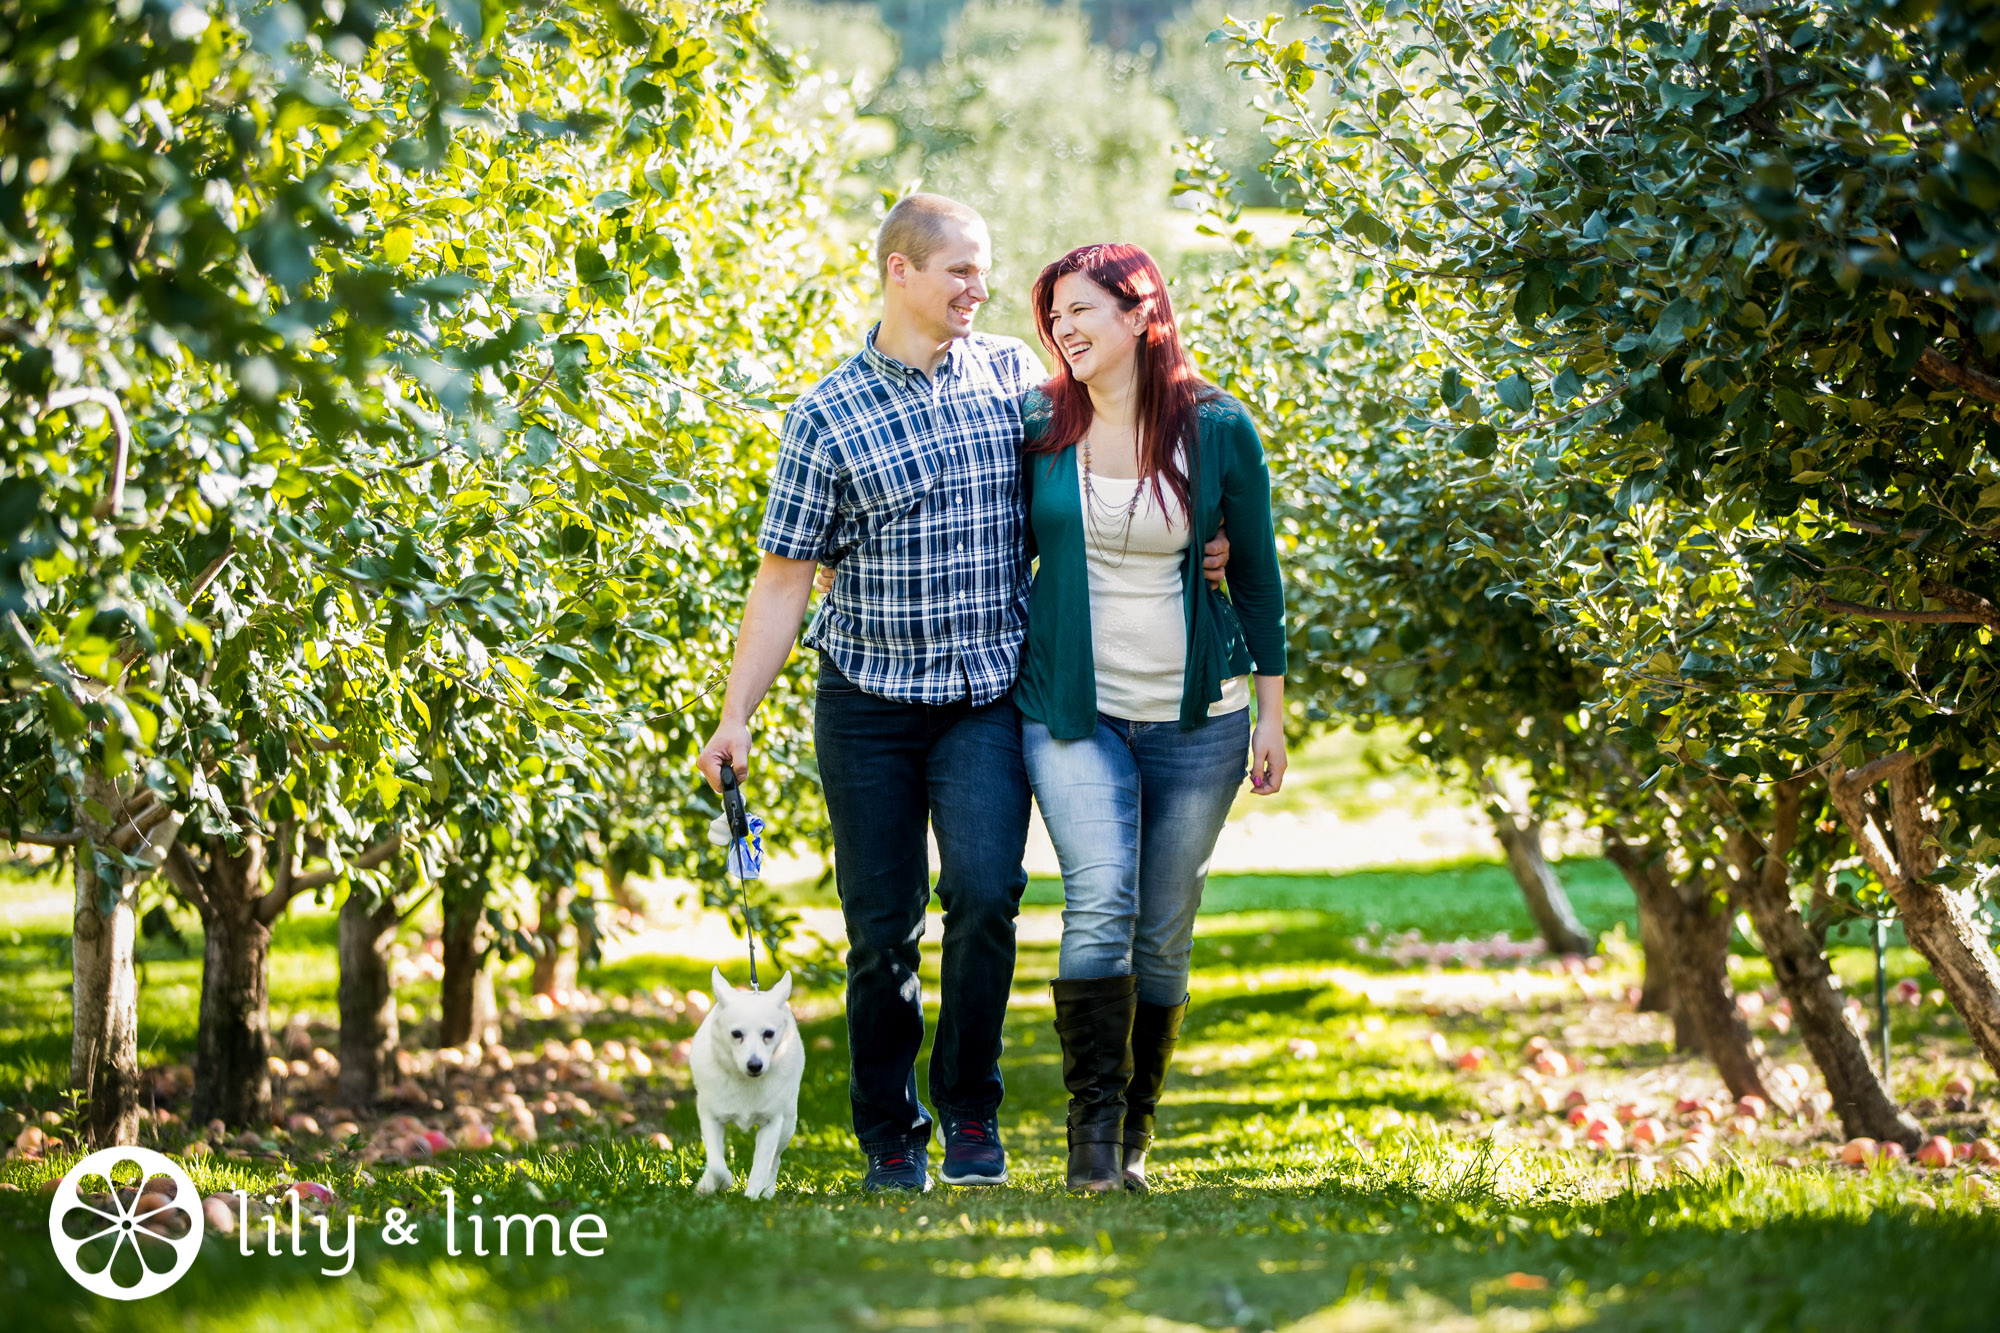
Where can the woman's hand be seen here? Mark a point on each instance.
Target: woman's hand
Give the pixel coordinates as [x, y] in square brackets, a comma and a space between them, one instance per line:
[1267, 739]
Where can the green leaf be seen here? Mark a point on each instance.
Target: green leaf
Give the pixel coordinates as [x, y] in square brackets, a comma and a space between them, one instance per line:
[1516, 392]
[1670, 329]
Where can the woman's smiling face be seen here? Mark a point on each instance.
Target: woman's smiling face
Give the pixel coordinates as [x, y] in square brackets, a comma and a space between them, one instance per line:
[1098, 339]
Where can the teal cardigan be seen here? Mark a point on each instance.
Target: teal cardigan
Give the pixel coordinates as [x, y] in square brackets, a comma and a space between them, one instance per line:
[1226, 638]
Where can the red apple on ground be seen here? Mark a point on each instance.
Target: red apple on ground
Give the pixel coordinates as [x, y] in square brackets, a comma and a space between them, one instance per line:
[219, 1210]
[1858, 1152]
[1935, 1152]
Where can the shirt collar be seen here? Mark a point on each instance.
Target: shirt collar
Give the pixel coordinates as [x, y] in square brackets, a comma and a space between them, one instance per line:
[883, 364]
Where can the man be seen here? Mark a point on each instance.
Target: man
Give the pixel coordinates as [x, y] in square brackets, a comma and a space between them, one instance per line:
[901, 470]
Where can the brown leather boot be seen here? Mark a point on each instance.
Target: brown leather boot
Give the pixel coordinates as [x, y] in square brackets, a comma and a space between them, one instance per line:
[1094, 1023]
[1156, 1030]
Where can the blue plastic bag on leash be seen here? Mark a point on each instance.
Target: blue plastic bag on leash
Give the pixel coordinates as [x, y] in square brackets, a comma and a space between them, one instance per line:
[746, 855]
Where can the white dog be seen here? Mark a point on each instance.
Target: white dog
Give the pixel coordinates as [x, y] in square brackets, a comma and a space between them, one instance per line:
[747, 1060]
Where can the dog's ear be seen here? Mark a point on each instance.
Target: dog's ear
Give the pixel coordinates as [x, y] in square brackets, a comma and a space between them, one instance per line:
[723, 990]
[783, 990]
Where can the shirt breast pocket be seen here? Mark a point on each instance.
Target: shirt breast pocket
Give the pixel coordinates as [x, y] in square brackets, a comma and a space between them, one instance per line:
[887, 484]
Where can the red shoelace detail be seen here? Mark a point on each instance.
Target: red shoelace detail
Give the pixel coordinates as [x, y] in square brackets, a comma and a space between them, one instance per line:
[971, 1129]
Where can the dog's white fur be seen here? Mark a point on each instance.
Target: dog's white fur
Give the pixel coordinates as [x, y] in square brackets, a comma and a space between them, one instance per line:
[747, 1061]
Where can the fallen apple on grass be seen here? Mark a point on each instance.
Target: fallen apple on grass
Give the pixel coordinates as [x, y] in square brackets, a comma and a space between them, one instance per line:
[1935, 1152]
[1605, 1134]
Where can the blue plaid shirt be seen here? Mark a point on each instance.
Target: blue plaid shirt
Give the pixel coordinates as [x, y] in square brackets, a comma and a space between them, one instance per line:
[910, 486]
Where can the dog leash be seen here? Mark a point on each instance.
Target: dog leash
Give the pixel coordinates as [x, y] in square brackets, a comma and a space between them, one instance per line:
[740, 858]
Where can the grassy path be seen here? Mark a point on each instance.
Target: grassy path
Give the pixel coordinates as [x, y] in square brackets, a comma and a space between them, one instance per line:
[1357, 1184]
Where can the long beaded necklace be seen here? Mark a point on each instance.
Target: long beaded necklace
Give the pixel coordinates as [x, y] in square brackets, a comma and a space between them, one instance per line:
[1102, 517]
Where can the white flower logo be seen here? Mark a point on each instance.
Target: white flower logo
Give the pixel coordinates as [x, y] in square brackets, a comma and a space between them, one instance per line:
[125, 1223]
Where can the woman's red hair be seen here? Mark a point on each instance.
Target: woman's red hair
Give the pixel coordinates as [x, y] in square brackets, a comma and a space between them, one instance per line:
[1169, 392]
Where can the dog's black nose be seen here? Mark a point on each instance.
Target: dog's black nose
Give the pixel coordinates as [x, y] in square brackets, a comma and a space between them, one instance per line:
[755, 1067]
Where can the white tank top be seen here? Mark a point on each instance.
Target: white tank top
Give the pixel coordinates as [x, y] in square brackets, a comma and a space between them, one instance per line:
[1138, 619]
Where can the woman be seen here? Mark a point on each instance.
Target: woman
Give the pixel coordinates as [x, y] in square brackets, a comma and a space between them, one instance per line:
[1134, 702]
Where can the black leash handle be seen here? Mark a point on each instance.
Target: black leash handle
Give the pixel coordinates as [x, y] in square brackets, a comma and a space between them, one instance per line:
[738, 820]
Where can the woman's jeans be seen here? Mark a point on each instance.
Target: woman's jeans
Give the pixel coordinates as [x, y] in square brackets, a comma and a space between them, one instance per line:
[890, 770]
[1134, 811]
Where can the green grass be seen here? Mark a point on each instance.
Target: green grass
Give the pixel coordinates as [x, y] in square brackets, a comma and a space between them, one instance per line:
[1349, 1190]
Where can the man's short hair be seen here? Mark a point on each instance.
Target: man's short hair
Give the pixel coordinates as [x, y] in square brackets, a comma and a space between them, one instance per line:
[916, 225]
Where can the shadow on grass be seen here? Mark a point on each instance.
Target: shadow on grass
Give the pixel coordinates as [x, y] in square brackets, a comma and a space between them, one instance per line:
[1286, 1195]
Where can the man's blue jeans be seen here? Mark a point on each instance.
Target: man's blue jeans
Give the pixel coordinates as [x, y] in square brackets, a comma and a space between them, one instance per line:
[889, 769]
[1134, 811]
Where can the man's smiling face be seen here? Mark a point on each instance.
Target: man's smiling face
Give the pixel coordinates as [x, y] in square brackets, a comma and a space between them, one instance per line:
[944, 296]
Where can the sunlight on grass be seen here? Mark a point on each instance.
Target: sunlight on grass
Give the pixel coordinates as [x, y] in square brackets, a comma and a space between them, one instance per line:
[1319, 1168]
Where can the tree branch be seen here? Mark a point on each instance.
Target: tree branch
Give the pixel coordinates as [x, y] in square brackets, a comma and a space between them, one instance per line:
[186, 877]
[1786, 798]
[32, 838]
[368, 860]
[114, 499]
[1825, 603]
[209, 571]
[1876, 770]
[1938, 369]
[1912, 821]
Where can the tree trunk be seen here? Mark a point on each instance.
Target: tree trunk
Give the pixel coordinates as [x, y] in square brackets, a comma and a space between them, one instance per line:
[1798, 961]
[1899, 842]
[555, 966]
[619, 886]
[1635, 862]
[1547, 902]
[232, 1076]
[1700, 967]
[460, 1019]
[368, 1031]
[104, 1032]
[1655, 994]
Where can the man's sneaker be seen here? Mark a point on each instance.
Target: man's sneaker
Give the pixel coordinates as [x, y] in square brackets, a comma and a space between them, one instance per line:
[898, 1169]
[972, 1151]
